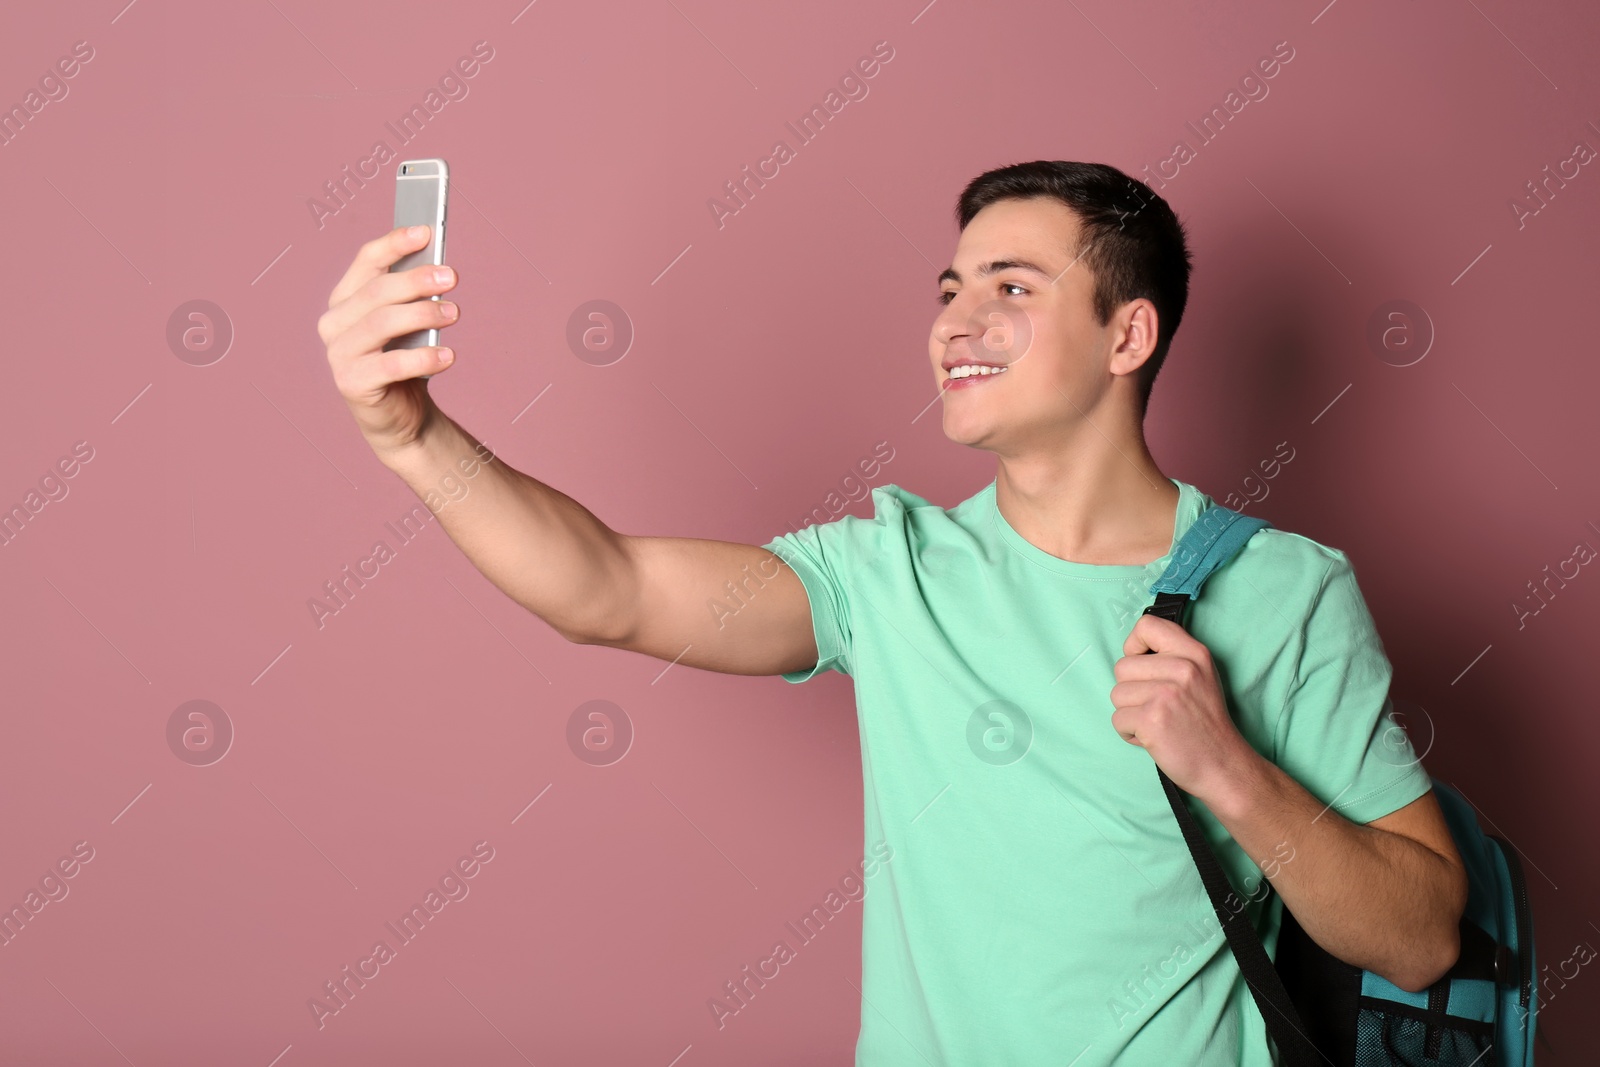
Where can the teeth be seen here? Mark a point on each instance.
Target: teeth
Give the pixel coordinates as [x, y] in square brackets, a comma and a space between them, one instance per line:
[970, 369]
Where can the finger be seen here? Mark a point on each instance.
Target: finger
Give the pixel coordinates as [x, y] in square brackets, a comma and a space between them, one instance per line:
[369, 376]
[1125, 723]
[1136, 642]
[407, 286]
[1152, 633]
[386, 322]
[1135, 694]
[1143, 668]
[376, 257]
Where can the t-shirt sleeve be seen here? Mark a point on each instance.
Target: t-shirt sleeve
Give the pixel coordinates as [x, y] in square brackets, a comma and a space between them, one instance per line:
[1336, 735]
[819, 555]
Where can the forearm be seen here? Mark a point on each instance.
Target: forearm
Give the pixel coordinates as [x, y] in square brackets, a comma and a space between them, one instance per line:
[1377, 900]
[538, 545]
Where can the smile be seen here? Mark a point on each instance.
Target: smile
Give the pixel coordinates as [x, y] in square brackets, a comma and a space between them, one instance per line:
[971, 374]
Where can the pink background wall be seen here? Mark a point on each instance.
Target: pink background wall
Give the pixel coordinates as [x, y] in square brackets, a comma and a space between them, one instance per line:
[771, 354]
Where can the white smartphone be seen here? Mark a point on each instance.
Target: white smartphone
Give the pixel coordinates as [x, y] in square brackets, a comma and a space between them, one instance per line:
[421, 198]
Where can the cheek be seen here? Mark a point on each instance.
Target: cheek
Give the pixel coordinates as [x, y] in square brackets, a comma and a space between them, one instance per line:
[1068, 342]
[1039, 332]
[1044, 360]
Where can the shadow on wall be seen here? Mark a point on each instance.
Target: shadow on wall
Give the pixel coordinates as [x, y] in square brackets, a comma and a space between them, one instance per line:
[1393, 472]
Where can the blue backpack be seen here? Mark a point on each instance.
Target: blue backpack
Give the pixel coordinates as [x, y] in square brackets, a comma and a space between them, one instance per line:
[1320, 1010]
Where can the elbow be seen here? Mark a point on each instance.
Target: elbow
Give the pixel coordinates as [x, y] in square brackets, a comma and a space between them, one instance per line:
[1443, 946]
[611, 630]
[1444, 949]
[608, 607]
[576, 637]
[585, 635]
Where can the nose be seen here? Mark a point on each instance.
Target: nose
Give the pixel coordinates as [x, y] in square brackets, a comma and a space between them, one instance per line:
[989, 330]
[952, 324]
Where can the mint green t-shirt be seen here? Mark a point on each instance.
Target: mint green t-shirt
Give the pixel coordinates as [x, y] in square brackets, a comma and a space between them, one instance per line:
[1039, 905]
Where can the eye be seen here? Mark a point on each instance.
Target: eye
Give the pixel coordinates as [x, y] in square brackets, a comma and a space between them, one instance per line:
[949, 294]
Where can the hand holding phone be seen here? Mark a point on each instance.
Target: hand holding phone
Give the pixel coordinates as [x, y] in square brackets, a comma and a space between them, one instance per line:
[376, 303]
[421, 198]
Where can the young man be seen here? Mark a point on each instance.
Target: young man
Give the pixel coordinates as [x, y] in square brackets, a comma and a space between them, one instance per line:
[1040, 905]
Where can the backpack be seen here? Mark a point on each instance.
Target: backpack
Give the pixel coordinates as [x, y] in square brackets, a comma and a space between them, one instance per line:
[1320, 1010]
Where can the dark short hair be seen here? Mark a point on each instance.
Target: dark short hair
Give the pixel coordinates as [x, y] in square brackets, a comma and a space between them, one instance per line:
[1131, 241]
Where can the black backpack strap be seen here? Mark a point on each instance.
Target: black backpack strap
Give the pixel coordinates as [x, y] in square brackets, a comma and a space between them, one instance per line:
[1209, 542]
[1295, 1049]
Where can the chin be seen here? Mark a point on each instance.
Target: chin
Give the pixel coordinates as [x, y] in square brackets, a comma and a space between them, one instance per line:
[967, 433]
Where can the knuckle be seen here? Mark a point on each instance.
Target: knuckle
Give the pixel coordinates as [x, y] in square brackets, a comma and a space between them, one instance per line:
[386, 367]
[343, 380]
[390, 366]
[388, 319]
[337, 360]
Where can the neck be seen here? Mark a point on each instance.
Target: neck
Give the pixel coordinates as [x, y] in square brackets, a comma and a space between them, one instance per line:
[1090, 499]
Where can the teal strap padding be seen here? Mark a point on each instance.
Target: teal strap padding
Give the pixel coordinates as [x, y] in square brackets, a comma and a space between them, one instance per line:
[1208, 543]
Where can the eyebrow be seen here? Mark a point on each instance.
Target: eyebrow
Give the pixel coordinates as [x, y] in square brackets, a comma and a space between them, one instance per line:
[995, 267]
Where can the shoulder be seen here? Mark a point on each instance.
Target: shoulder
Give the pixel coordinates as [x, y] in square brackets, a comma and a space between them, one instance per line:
[1284, 578]
[894, 506]
[1285, 551]
[901, 523]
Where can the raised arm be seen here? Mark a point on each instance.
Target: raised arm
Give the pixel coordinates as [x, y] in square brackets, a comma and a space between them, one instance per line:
[655, 595]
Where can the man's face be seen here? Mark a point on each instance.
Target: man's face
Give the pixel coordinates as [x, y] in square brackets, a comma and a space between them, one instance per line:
[1034, 318]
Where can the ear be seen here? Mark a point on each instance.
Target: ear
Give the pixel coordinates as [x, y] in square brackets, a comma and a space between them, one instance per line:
[1135, 325]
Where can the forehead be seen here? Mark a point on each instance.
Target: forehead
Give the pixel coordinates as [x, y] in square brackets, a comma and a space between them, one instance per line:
[1040, 229]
